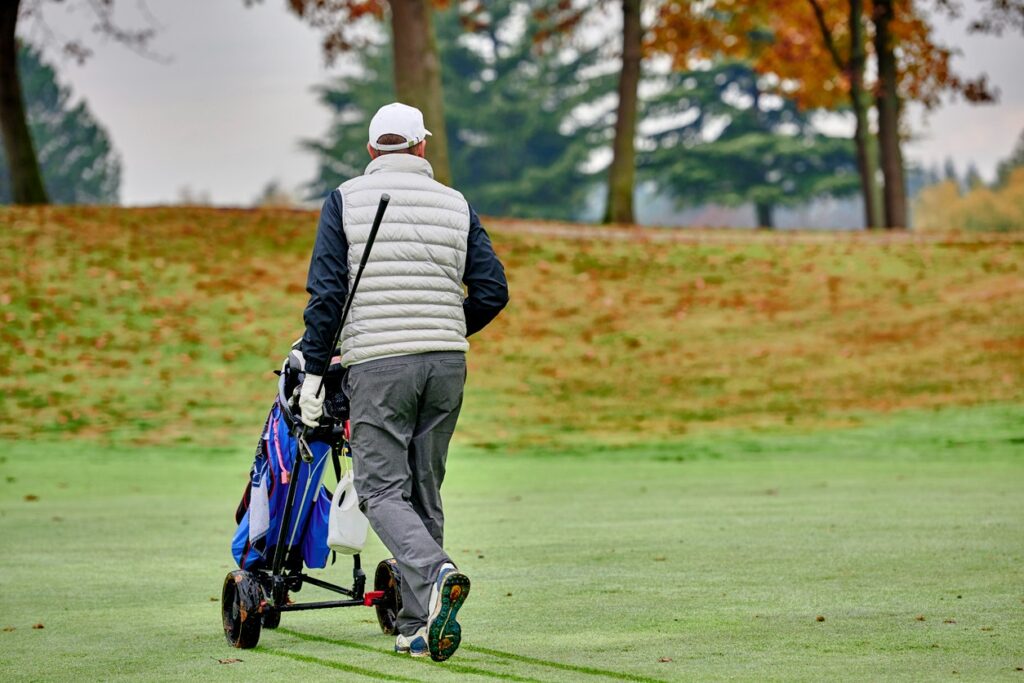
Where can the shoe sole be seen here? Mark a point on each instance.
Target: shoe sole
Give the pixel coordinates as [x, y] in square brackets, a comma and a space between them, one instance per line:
[444, 633]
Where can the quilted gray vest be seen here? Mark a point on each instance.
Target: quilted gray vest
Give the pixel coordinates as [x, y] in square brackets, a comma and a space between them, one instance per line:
[410, 296]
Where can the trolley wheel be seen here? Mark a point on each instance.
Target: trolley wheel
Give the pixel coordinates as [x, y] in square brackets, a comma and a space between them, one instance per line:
[271, 617]
[241, 606]
[388, 578]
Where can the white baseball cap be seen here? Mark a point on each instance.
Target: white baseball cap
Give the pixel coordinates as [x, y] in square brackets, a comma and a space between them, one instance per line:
[397, 119]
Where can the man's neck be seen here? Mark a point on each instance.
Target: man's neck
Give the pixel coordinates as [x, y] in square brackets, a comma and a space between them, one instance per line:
[400, 163]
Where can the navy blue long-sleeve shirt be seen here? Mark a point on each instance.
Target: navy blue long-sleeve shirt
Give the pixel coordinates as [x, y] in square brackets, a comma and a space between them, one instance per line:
[327, 283]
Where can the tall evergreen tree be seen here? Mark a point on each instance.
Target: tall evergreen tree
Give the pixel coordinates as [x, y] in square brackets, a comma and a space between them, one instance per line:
[515, 145]
[78, 162]
[22, 166]
[725, 141]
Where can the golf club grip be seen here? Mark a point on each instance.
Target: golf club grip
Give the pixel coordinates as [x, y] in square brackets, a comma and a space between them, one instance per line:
[385, 199]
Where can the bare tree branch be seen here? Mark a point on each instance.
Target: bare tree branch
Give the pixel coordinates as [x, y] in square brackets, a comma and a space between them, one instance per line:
[826, 34]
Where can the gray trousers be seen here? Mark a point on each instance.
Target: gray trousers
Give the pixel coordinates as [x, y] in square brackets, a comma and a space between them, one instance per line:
[403, 414]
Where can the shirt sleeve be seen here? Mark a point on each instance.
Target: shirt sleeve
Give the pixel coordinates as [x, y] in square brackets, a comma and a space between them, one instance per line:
[484, 277]
[327, 284]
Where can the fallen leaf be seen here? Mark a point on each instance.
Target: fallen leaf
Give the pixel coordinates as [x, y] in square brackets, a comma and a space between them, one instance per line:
[664, 659]
[919, 617]
[8, 629]
[38, 626]
[949, 621]
[229, 660]
[31, 497]
[820, 617]
[660, 558]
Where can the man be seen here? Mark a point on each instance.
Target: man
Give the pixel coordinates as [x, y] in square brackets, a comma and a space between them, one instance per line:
[404, 345]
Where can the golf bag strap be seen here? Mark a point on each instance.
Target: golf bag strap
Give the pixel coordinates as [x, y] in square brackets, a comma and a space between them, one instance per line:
[336, 461]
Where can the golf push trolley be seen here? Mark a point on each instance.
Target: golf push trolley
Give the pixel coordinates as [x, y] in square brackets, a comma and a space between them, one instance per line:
[253, 599]
[256, 595]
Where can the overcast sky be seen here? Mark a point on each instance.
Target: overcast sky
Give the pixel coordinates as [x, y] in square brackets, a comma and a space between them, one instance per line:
[225, 115]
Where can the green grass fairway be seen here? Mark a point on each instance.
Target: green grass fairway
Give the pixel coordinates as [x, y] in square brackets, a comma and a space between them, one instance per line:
[891, 551]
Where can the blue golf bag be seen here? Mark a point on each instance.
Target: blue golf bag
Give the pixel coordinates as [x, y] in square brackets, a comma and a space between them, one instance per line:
[260, 513]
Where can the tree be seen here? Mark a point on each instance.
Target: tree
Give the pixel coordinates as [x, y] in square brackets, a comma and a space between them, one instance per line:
[77, 160]
[949, 171]
[622, 172]
[912, 65]
[888, 104]
[733, 143]
[346, 26]
[824, 72]
[23, 167]
[561, 19]
[516, 146]
[853, 64]
[1011, 163]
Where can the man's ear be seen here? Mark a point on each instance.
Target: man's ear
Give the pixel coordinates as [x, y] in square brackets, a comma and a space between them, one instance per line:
[373, 153]
[420, 150]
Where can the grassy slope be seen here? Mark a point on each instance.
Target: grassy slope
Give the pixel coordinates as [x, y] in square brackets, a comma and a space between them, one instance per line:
[162, 325]
[718, 553]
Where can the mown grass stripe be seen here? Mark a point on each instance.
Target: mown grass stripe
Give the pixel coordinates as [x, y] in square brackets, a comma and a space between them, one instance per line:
[618, 675]
[349, 668]
[460, 668]
[332, 641]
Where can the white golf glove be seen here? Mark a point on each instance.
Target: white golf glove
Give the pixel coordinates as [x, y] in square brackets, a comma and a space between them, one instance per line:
[311, 406]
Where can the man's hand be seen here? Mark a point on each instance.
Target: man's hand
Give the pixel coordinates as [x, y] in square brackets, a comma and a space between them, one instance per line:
[311, 406]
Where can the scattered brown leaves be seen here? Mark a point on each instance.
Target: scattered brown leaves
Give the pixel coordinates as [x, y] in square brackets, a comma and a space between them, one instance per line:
[169, 321]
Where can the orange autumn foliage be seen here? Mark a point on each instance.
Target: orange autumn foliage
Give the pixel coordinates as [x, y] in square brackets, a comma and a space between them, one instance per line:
[784, 38]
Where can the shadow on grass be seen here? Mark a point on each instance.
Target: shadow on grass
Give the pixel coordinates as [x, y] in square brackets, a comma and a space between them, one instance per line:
[449, 666]
[617, 675]
[370, 673]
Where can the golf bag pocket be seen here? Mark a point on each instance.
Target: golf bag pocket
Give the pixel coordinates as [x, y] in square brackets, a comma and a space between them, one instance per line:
[314, 545]
[347, 525]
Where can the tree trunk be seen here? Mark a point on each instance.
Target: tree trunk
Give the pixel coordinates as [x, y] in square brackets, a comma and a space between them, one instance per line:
[888, 103]
[622, 172]
[862, 135]
[26, 180]
[418, 75]
[765, 215]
